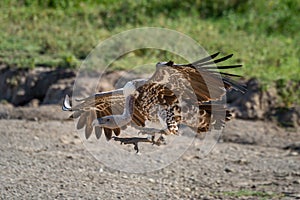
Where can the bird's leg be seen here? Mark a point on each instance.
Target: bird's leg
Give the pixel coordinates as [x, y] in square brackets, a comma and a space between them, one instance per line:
[133, 140]
[148, 131]
[151, 131]
[159, 141]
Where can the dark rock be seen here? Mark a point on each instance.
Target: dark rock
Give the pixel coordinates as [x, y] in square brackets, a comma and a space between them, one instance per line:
[57, 91]
[256, 103]
[288, 117]
[34, 103]
[293, 147]
[20, 86]
[5, 110]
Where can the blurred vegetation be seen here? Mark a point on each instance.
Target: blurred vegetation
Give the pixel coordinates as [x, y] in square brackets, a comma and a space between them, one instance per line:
[263, 35]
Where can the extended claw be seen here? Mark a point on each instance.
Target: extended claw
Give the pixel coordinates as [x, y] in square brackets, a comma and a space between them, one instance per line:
[132, 140]
[159, 141]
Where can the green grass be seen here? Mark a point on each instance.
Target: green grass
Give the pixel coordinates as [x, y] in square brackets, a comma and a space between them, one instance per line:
[263, 35]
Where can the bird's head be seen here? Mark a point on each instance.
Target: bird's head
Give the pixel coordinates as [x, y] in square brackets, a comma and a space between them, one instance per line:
[106, 122]
[165, 64]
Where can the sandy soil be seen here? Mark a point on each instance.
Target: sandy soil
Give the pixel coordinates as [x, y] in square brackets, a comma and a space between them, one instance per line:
[42, 158]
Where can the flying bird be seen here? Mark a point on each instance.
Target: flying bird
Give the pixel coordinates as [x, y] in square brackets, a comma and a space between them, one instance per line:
[175, 95]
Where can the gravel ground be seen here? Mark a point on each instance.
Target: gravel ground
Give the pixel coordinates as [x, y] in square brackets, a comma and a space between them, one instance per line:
[42, 158]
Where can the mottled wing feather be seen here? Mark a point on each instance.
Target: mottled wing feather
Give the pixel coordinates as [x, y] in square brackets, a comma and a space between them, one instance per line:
[76, 114]
[206, 84]
[82, 120]
[150, 95]
[117, 131]
[98, 132]
[108, 133]
[202, 66]
[100, 105]
[88, 126]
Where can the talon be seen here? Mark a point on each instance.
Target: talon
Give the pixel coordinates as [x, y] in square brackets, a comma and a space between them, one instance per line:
[152, 139]
[136, 147]
[133, 140]
[160, 140]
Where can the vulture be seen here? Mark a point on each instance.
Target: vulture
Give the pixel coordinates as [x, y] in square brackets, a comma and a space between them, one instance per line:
[175, 95]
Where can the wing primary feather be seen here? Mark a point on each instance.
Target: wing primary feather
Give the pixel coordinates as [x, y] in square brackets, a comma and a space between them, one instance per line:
[235, 85]
[228, 74]
[206, 58]
[223, 67]
[102, 94]
[117, 131]
[215, 61]
[223, 58]
[108, 133]
[98, 132]
[66, 105]
[88, 131]
[88, 126]
[82, 120]
[76, 114]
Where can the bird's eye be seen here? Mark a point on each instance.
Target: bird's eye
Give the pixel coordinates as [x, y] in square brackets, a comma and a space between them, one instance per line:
[107, 120]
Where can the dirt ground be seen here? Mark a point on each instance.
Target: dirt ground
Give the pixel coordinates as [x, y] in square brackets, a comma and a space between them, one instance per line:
[44, 158]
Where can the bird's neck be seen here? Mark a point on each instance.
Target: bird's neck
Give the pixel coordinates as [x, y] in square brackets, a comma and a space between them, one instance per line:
[128, 108]
[125, 117]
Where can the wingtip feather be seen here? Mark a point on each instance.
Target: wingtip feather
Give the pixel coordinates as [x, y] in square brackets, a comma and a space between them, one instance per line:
[66, 104]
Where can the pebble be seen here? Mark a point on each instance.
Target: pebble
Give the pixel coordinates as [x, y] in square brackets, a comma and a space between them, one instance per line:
[242, 161]
[227, 170]
[296, 181]
[294, 153]
[151, 180]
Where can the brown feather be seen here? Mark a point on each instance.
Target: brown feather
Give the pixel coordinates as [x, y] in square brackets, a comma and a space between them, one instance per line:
[108, 133]
[88, 126]
[98, 132]
[76, 114]
[117, 131]
[88, 131]
[82, 120]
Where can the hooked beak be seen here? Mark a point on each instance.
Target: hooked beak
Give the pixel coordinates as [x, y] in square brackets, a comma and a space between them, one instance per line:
[164, 64]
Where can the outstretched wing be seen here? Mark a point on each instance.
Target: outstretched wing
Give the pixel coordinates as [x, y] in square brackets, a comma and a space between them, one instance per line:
[207, 82]
[97, 106]
[205, 74]
[198, 81]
